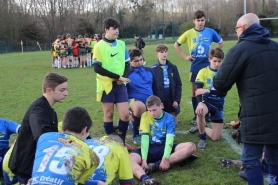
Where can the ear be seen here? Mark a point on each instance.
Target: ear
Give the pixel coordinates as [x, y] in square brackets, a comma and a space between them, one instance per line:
[84, 131]
[48, 90]
[162, 106]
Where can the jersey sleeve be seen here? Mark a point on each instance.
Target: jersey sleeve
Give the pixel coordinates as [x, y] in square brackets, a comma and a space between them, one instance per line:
[97, 56]
[125, 169]
[200, 79]
[183, 38]
[145, 122]
[171, 126]
[216, 37]
[11, 126]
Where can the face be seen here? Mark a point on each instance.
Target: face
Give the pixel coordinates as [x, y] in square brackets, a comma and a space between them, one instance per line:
[200, 23]
[155, 110]
[215, 63]
[112, 33]
[162, 55]
[239, 29]
[137, 61]
[60, 92]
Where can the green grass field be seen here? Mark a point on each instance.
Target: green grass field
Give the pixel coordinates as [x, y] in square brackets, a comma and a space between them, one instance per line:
[21, 77]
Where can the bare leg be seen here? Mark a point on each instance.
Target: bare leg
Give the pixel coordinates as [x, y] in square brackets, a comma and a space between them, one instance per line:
[136, 160]
[216, 131]
[182, 151]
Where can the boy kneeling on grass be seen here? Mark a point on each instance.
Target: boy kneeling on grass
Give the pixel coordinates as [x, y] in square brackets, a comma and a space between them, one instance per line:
[209, 100]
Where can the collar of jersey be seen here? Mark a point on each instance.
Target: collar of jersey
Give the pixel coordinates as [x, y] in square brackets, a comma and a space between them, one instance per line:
[199, 30]
[109, 41]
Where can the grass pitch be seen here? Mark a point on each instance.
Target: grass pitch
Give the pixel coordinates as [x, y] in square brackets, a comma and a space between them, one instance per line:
[21, 79]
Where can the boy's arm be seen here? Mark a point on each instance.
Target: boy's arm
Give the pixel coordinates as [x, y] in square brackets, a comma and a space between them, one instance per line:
[104, 72]
[127, 66]
[178, 87]
[199, 97]
[145, 142]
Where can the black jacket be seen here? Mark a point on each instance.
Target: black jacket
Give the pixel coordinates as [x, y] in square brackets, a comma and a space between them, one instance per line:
[139, 43]
[253, 65]
[39, 118]
[174, 77]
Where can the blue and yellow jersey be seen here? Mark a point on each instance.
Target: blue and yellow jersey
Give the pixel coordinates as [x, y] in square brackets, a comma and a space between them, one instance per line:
[9, 177]
[114, 160]
[7, 127]
[63, 159]
[205, 77]
[199, 45]
[157, 129]
[111, 55]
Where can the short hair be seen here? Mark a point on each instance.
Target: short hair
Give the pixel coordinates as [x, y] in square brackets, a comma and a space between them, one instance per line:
[134, 53]
[199, 14]
[68, 35]
[86, 36]
[59, 37]
[80, 36]
[110, 22]
[136, 35]
[52, 80]
[153, 100]
[76, 119]
[117, 137]
[217, 52]
[161, 47]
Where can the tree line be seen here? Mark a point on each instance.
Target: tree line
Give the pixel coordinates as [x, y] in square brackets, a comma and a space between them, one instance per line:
[43, 20]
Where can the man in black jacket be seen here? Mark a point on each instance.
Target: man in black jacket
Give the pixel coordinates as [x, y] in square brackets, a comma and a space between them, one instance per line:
[252, 65]
[40, 118]
[139, 43]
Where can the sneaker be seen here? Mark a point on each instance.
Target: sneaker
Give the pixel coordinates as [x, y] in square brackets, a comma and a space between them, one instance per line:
[129, 147]
[243, 175]
[151, 181]
[137, 140]
[152, 167]
[194, 121]
[231, 163]
[202, 144]
[188, 160]
[193, 130]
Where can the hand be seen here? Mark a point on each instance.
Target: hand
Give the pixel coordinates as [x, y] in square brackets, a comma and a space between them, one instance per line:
[123, 79]
[201, 91]
[200, 109]
[119, 82]
[144, 164]
[175, 104]
[189, 58]
[164, 165]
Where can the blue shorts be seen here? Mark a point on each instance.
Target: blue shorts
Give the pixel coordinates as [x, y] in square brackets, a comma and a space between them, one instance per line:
[168, 105]
[193, 77]
[118, 94]
[216, 115]
[156, 152]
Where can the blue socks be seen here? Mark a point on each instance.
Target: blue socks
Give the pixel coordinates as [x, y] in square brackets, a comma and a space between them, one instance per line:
[136, 124]
[194, 104]
[255, 176]
[203, 136]
[122, 126]
[144, 177]
[108, 127]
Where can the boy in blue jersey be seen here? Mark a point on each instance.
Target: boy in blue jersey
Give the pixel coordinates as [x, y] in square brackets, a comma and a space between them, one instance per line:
[168, 80]
[65, 158]
[198, 40]
[209, 100]
[111, 63]
[157, 130]
[7, 127]
[114, 161]
[143, 84]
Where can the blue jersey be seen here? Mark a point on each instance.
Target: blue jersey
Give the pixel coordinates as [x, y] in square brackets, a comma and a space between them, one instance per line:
[62, 159]
[114, 161]
[205, 77]
[140, 87]
[158, 129]
[199, 45]
[7, 127]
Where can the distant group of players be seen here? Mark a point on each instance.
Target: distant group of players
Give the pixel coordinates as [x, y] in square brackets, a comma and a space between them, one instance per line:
[73, 52]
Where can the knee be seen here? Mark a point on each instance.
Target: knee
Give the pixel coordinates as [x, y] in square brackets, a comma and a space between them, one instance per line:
[109, 114]
[216, 138]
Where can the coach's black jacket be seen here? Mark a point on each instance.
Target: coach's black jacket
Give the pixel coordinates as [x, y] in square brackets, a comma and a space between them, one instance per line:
[39, 118]
[174, 78]
[253, 65]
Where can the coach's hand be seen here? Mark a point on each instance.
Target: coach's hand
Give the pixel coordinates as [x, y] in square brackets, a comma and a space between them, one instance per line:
[144, 164]
[123, 79]
[164, 165]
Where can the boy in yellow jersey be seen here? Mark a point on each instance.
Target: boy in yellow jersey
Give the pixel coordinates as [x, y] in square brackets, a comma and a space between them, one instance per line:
[54, 52]
[88, 46]
[111, 63]
[198, 40]
[209, 100]
[114, 160]
[65, 158]
[157, 130]
[9, 177]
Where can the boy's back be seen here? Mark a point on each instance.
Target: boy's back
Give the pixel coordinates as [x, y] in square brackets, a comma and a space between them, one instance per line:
[63, 159]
